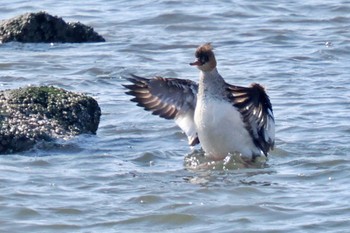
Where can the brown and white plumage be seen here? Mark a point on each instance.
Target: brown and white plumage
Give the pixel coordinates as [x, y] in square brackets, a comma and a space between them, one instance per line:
[168, 98]
[224, 118]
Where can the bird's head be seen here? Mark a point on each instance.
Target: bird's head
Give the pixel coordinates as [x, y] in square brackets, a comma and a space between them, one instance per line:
[205, 58]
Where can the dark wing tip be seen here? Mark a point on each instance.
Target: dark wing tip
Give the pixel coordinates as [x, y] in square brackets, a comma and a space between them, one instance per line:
[141, 90]
[194, 141]
[136, 80]
[255, 106]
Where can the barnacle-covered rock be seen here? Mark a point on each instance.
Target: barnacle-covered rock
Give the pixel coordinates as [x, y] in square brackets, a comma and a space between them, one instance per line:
[43, 27]
[32, 114]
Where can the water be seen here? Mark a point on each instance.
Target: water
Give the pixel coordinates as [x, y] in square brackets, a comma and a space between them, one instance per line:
[132, 176]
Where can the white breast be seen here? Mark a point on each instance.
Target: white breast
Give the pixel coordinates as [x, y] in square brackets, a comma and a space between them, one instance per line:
[221, 130]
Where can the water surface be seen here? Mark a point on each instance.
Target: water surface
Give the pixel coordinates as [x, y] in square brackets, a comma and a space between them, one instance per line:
[133, 176]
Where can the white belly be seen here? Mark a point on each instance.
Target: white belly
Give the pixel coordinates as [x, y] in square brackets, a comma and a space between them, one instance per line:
[221, 130]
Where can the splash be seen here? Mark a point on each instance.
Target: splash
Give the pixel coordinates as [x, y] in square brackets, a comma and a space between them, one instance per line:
[233, 161]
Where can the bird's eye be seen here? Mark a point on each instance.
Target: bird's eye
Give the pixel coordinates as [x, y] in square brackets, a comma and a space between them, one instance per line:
[204, 58]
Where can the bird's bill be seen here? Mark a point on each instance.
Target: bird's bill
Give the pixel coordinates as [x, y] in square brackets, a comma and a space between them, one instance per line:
[196, 63]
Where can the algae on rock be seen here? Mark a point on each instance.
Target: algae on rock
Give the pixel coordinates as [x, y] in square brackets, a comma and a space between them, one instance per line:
[31, 114]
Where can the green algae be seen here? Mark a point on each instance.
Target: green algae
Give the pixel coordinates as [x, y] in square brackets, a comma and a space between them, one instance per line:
[44, 113]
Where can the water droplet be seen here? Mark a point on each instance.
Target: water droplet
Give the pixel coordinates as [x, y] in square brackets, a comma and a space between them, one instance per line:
[328, 44]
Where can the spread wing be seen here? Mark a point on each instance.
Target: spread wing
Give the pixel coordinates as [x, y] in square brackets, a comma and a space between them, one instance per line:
[169, 98]
[256, 109]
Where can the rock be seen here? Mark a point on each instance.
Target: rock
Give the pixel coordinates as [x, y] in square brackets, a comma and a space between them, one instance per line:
[42, 27]
[32, 114]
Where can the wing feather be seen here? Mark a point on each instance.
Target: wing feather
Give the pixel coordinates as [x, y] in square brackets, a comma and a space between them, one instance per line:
[169, 98]
[256, 109]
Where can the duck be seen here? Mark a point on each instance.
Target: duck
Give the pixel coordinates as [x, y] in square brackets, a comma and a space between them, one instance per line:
[221, 117]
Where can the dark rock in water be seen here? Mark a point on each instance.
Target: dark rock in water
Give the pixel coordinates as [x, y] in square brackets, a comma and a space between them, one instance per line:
[32, 114]
[42, 27]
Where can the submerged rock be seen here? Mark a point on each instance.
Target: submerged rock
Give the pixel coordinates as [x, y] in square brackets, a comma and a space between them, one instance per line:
[32, 114]
[43, 27]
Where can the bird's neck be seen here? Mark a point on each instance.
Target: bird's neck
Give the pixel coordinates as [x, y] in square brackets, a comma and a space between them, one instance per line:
[211, 83]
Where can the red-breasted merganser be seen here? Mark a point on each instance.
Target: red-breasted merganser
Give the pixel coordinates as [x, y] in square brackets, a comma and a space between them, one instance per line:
[222, 117]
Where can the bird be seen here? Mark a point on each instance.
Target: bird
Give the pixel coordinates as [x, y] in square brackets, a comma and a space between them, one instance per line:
[221, 117]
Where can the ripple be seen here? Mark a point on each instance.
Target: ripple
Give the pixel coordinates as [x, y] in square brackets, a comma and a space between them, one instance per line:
[169, 220]
[25, 213]
[173, 18]
[68, 211]
[138, 172]
[147, 199]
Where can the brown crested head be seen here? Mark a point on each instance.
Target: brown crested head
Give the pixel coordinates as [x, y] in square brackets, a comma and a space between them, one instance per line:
[205, 58]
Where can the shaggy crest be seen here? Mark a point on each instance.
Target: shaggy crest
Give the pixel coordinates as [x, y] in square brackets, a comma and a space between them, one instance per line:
[204, 49]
